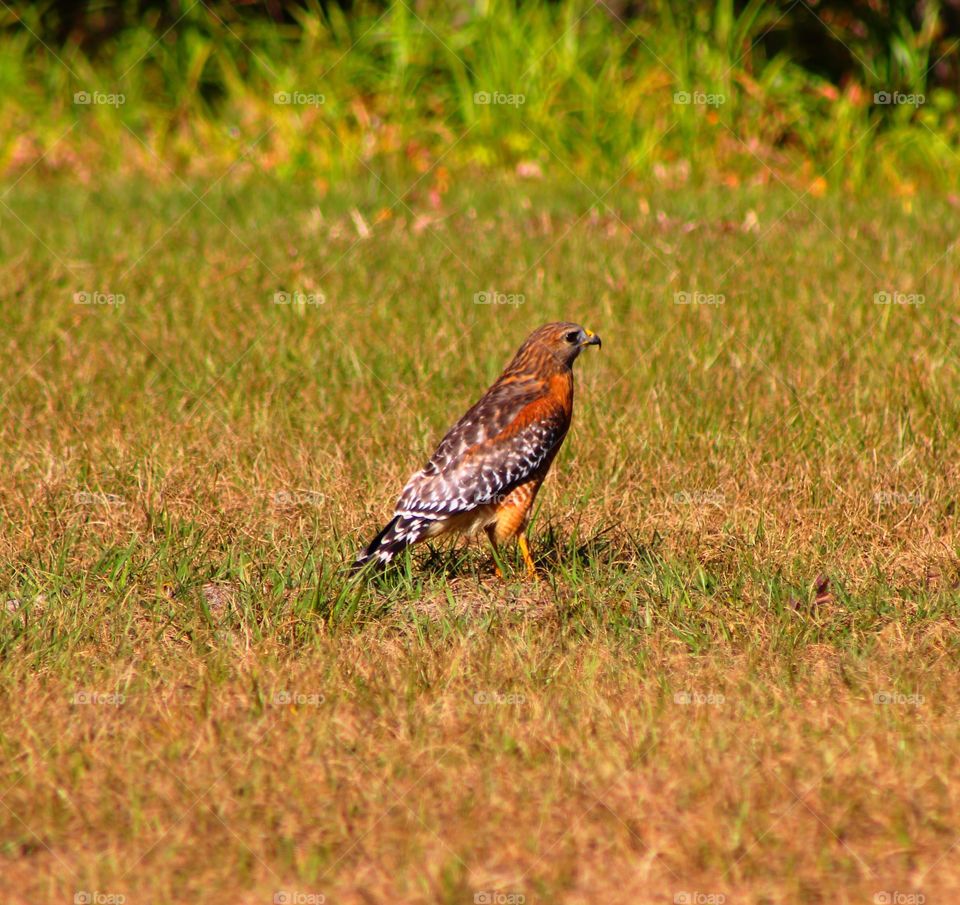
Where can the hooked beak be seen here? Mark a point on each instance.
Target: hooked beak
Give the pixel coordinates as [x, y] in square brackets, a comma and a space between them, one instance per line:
[592, 339]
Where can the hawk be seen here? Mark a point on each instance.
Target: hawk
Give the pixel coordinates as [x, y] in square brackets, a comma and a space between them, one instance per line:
[488, 468]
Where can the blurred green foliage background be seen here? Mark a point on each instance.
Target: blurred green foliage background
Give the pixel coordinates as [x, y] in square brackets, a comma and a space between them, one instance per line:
[846, 95]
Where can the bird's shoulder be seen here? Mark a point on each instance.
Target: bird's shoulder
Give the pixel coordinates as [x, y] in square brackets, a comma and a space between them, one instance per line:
[506, 408]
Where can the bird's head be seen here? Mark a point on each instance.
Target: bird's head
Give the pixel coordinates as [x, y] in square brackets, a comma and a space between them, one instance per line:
[561, 342]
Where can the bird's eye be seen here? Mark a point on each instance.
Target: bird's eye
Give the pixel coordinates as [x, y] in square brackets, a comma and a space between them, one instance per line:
[573, 336]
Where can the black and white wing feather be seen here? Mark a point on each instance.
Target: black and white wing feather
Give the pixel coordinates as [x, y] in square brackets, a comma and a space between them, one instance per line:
[501, 442]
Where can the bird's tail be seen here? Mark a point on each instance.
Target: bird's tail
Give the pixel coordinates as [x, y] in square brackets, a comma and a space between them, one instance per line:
[399, 532]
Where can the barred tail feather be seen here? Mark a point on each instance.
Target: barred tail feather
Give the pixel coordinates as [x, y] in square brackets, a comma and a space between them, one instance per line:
[399, 532]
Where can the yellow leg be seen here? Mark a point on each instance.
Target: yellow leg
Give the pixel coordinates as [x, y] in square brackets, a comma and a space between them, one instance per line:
[525, 553]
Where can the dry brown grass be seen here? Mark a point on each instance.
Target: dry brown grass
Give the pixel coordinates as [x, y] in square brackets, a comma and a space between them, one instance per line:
[581, 776]
[757, 503]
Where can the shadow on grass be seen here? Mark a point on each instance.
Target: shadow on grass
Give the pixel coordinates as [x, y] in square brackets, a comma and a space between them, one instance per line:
[555, 549]
[613, 548]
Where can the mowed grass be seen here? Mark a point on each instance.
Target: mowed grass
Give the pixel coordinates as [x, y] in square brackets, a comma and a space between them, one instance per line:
[737, 677]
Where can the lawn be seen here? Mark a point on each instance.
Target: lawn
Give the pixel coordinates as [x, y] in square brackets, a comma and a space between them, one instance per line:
[736, 680]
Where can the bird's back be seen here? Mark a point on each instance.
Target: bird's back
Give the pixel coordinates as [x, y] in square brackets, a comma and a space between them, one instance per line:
[500, 441]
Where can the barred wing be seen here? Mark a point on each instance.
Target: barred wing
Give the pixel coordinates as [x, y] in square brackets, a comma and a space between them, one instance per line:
[499, 444]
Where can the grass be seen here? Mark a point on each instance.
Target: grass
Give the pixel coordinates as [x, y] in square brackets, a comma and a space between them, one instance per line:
[750, 535]
[694, 88]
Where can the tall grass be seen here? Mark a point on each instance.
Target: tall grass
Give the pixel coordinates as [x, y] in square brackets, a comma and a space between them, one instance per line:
[398, 94]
